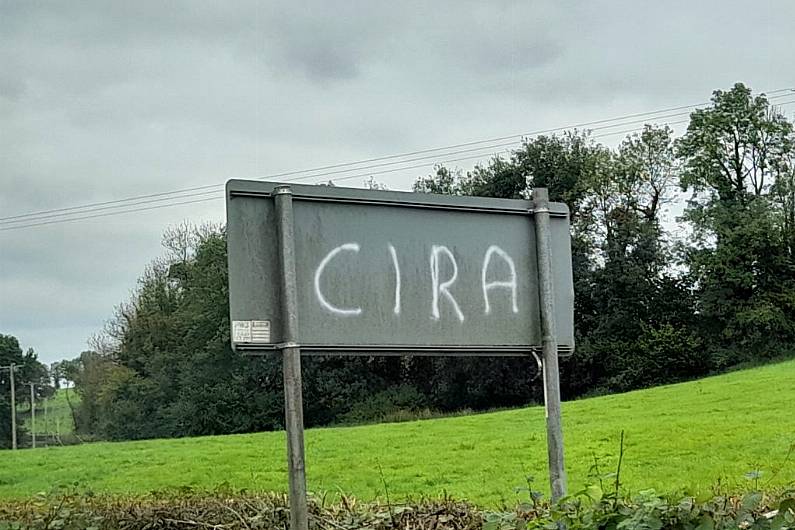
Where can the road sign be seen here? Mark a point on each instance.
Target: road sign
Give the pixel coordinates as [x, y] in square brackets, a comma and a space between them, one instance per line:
[319, 269]
[395, 272]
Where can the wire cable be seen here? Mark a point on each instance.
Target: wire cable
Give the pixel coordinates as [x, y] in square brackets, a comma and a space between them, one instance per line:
[215, 187]
[66, 217]
[179, 194]
[348, 177]
[187, 195]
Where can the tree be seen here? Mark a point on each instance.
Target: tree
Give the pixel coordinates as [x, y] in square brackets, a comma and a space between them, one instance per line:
[626, 295]
[737, 163]
[783, 197]
[444, 181]
[734, 149]
[648, 310]
[29, 370]
[169, 369]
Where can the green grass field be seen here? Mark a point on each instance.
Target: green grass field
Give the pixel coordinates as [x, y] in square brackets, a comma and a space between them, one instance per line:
[54, 417]
[684, 436]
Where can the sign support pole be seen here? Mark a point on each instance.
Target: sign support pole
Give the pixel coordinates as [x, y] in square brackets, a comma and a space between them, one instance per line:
[549, 344]
[291, 361]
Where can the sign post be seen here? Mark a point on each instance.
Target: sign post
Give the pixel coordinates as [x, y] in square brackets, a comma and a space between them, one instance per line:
[549, 345]
[291, 362]
[319, 270]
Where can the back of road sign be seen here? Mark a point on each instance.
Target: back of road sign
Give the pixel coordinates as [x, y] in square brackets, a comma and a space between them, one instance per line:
[381, 272]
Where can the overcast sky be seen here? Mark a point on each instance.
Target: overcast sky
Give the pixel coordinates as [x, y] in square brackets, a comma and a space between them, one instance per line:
[101, 101]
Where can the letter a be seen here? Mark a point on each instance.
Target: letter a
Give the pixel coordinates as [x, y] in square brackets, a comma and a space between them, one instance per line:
[494, 249]
[352, 247]
[442, 288]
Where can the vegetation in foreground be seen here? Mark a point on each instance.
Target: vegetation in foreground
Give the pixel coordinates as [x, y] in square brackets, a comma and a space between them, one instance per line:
[685, 436]
[591, 507]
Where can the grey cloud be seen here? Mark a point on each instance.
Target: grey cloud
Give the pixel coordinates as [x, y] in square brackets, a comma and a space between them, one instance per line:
[102, 100]
[11, 87]
[323, 62]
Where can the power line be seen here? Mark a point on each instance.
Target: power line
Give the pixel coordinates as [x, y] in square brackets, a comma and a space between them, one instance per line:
[348, 177]
[24, 223]
[64, 217]
[184, 195]
[215, 187]
[216, 197]
[179, 194]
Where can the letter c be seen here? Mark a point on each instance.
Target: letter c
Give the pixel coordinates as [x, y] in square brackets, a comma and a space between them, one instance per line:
[352, 247]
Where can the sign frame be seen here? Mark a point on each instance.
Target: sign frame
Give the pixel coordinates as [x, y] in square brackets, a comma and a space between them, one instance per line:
[253, 199]
[283, 195]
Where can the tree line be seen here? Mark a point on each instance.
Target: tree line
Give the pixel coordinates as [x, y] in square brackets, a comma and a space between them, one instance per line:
[684, 265]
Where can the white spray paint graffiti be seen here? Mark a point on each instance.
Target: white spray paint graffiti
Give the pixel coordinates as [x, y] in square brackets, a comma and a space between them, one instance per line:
[396, 265]
[511, 284]
[442, 288]
[439, 288]
[351, 247]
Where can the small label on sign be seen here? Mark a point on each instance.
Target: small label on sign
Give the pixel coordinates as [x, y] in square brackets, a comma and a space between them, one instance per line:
[251, 331]
[260, 331]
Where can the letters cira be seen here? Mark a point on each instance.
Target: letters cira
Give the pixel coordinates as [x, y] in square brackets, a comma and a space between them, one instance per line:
[384, 272]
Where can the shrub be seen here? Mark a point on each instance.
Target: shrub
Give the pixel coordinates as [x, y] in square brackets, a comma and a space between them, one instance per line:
[396, 403]
[590, 508]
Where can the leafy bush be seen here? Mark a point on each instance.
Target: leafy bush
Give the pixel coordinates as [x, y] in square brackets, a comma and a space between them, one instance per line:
[590, 508]
[395, 403]
[666, 354]
[189, 509]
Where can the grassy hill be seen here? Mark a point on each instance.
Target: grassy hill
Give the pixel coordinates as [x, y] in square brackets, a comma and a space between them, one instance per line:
[680, 436]
[54, 417]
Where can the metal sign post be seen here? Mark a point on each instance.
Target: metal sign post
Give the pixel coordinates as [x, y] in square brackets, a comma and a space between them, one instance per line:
[394, 273]
[291, 362]
[549, 345]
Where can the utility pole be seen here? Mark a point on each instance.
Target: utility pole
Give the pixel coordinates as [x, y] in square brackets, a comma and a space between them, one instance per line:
[11, 368]
[47, 431]
[33, 414]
